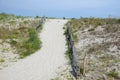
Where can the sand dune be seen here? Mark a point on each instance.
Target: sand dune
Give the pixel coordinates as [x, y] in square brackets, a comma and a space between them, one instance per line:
[44, 64]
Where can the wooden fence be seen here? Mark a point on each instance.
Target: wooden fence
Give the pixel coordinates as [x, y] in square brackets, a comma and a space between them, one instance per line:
[41, 22]
[74, 61]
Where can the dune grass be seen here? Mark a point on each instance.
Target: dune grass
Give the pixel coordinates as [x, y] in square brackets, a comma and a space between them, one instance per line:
[24, 39]
[32, 44]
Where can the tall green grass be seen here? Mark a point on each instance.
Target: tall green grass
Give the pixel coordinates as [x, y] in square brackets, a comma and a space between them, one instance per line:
[32, 44]
[23, 39]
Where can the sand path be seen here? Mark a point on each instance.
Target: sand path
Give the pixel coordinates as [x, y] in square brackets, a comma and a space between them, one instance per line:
[44, 64]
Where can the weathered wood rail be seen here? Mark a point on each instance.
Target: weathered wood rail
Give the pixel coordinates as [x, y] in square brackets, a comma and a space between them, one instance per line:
[71, 47]
[41, 22]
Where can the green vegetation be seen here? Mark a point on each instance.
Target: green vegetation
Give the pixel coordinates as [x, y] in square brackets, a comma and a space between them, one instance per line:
[98, 38]
[92, 23]
[2, 60]
[37, 17]
[68, 51]
[26, 41]
[92, 29]
[112, 74]
[32, 44]
[74, 35]
[64, 18]
[68, 54]
[21, 33]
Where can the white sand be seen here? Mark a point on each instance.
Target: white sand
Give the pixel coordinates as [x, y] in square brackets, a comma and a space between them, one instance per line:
[44, 64]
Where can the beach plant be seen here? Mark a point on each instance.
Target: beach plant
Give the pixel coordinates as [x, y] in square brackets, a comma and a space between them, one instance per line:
[24, 39]
[32, 44]
[112, 73]
[2, 60]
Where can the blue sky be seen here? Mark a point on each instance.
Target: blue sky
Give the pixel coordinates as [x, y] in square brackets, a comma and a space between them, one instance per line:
[61, 8]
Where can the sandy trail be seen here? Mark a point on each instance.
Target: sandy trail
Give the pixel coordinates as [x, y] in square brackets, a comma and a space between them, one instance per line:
[44, 64]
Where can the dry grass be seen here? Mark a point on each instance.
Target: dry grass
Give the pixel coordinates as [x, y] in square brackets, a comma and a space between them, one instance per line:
[21, 33]
[100, 39]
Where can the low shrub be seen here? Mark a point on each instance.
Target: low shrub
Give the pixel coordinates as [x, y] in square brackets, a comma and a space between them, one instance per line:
[112, 74]
[64, 18]
[22, 34]
[32, 44]
[92, 29]
[2, 60]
